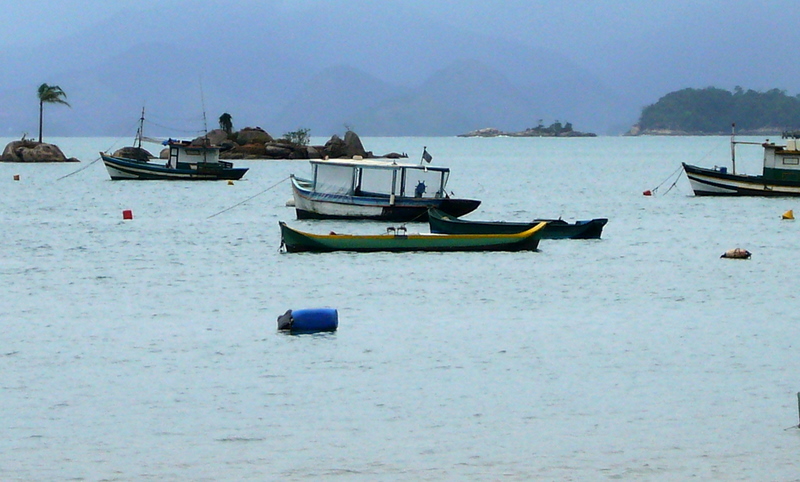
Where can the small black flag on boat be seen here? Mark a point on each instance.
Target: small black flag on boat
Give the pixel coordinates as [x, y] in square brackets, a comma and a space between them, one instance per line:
[426, 156]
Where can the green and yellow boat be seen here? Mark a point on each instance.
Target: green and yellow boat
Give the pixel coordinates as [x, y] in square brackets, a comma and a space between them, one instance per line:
[398, 240]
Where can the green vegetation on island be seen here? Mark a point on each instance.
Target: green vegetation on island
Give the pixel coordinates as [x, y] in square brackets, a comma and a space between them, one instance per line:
[711, 111]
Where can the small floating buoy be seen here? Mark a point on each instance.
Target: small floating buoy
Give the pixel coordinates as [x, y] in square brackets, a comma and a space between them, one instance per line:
[648, 193]
[127, 214]
[309, 320]
[230, 183]
[736, 253]
[16, 177]
[788, 215]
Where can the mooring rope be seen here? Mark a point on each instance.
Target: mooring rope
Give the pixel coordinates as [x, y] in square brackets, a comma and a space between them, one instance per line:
[677, 178]
[676, 171]
[87, 166]
[79, 170]
[248, 199]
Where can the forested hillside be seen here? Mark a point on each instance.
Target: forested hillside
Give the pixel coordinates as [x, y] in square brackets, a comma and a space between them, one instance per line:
[713, 110]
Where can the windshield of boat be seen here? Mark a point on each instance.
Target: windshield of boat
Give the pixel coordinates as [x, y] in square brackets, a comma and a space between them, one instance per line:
[333, 179]
[380, 180]
[377, 181]
[425, 183]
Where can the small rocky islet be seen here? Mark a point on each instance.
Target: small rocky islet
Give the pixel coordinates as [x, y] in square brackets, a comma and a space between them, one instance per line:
[554, 130]
[29, 150]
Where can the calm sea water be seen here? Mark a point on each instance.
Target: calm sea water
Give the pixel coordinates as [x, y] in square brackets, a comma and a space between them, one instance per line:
[147, 349]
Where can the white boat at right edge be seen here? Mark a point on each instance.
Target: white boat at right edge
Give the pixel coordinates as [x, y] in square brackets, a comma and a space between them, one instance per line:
[780, 175]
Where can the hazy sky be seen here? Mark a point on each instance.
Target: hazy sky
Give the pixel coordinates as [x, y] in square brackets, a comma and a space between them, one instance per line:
[575, 26]
[593, 33]
[642, 49]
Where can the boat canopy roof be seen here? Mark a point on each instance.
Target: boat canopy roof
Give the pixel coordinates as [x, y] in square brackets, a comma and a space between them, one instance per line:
[378, 177]
[376, 164]
[188, 144]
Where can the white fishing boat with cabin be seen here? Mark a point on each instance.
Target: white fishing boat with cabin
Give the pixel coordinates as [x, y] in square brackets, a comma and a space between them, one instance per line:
[375, 189]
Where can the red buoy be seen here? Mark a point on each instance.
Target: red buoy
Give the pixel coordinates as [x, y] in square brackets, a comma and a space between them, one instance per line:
[127, 214]
[648, 193]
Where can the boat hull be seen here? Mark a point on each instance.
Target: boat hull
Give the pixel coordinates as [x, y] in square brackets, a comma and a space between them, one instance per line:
[712, 182]
[129, 169]
[295, 241]
[313, 205]
[556, 229]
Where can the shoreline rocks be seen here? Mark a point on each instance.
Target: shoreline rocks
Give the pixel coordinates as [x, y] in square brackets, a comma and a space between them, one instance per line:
[636, 130]
[252, 143]
[130, 152]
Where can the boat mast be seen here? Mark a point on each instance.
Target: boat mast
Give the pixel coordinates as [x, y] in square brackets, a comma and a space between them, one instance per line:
[733, 147]
[140, 131]
[205, 123]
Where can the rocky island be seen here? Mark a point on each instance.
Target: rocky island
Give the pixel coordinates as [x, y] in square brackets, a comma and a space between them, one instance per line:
[711, 111]
[256, 143]
[554, 130]
[29, 150]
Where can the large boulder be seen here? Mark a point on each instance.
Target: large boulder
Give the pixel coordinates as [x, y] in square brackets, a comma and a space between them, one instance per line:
[335, 147]
[26, 150]
[350, 147]
[253, 135]
[353, 146]
[227, 145]
[215, 138]
[133, 153]
[278, 151]
[313, 152]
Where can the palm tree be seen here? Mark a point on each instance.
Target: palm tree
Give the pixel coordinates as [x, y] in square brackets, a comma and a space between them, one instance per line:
[226, 123]
[51, 94]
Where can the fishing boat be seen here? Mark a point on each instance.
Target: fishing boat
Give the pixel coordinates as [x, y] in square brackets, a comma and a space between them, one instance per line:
[375, 189]
[187, 161]
[444, 223]
[398, 240]
[780, 175]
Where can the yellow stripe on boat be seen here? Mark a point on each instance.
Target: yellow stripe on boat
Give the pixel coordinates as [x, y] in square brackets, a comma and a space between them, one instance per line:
[522, 235]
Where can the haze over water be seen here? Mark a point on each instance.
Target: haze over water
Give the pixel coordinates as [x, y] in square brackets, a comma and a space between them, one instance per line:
[148, 348]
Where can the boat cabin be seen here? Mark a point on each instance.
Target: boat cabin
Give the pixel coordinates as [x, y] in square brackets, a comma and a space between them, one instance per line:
[378, 178]
[184, 155]
[782, 163]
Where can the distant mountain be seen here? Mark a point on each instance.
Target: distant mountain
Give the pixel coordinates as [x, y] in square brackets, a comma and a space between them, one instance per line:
[335, 99]
[455, 98]
[399, 75]
[713, 110]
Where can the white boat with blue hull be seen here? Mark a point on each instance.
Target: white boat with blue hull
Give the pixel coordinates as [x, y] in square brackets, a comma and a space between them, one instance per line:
[187, 162]
[375, 189]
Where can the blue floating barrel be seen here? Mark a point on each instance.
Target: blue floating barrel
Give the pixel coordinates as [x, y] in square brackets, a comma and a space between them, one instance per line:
[312, 320]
